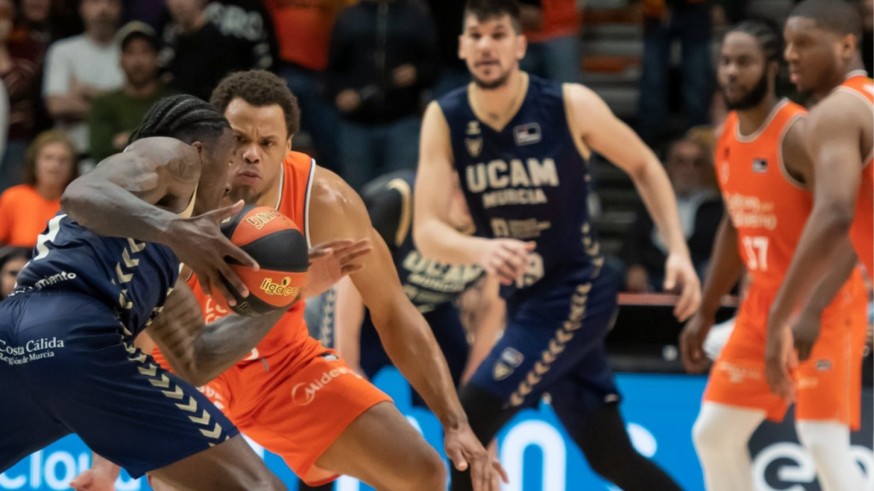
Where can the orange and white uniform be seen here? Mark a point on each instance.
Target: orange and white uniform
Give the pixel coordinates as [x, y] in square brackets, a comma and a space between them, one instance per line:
[291, 395]
[862, 230]
[769, 210]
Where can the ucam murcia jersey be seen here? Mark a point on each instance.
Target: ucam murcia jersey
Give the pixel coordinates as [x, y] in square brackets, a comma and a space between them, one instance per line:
[132, 277]
[527, 181]
[428, 284]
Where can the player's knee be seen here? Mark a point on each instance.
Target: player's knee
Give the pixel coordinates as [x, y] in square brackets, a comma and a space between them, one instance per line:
[818, 438]
[430, 472]
[707, 436]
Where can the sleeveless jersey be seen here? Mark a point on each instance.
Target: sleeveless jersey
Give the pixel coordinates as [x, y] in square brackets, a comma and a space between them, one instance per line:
[133, 278]
[767, 206]
[297, 174]
[527, 181]
[428, 284]
[862, 230]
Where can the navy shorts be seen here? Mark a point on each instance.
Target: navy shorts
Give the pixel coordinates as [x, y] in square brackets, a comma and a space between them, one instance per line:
[66, 368]
[554, 343]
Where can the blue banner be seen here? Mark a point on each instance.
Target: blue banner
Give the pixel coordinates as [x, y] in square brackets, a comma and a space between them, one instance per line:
[534, 448]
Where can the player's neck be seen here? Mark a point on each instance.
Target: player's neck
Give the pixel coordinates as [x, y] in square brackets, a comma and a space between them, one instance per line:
[274, 192]
[496, 107]
[753, 118]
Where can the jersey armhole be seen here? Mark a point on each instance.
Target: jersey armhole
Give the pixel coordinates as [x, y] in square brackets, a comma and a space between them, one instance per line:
[306, 203]
[583, 149]
[781, 163]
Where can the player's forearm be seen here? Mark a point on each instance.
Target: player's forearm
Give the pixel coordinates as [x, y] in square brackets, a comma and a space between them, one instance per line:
[841, 269]
[409, 343]
[655, 189]
[439, 241]
[815, 255]
[726, 268]
[225, 342]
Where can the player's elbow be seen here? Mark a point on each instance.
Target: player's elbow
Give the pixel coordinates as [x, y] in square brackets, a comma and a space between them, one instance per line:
[836, 217]
[422, 239]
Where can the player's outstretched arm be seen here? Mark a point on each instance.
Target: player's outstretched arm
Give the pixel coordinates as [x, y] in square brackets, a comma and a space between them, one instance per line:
[486, 321]
[726, 268]
[199, 352]
[601, 130]
[338, 212]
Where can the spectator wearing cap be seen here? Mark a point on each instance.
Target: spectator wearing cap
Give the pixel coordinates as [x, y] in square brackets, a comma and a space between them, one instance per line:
[116, 114]
[80, 68]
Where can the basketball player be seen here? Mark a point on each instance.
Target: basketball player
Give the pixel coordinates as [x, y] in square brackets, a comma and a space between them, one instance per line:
[102, 270]
[293, 396]
[764, 172]
[434, 288]
[520, 146]
[823, 52]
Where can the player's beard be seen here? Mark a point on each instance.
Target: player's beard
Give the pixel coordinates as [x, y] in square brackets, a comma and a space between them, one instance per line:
[494, 84]
[245, 193]
[753, 97]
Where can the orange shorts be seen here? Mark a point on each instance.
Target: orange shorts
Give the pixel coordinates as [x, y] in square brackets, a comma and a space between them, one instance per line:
[828, 385]
[295, 403]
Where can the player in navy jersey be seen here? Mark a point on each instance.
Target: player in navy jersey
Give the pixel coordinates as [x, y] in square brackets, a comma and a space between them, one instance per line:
[432, 287]
[520, 147]
[101, 272]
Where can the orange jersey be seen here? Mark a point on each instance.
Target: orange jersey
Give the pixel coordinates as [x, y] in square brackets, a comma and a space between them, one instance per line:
[24, 214]
[862, 230]
[767, 207]
[296, 178]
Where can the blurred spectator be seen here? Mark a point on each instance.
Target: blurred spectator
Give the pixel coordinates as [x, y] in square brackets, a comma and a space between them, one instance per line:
[12, 259]
[82, 67]
[448, 19]
[116, 114]
[303, 30]
[690, 171]
[664, 21]
[21, 79]
[249, 22]
[196, 53]
[553, 33]
[383, 57]
[867, 8]
[24, 209]
[152, 12]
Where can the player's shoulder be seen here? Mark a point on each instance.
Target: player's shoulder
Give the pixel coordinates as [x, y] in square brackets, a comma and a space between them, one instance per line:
[840, 109]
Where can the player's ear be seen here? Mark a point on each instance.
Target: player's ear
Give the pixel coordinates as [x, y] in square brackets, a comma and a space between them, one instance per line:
[849, 45]
[521, 46]
[288, 143]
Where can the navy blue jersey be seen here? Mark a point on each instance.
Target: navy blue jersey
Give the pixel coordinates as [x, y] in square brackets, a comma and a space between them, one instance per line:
[427, 283]
[134, 278]
[528, 181]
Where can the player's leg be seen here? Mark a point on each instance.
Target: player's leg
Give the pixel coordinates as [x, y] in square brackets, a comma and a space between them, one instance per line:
[721, 435]
[586, 402]
[829, 445]
[382, 449]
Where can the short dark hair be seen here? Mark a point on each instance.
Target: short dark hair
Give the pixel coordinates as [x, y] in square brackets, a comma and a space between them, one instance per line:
[765, 33]
[839, 17]
[259, 88]
[184, 117]
[489, 9]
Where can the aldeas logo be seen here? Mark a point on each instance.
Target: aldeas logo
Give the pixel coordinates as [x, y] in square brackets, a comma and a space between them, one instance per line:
[303, 394]
[280, 289]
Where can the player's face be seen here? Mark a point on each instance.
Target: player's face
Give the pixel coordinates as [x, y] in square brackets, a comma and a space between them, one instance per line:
[261, 142]
[491, 48]
[813, 55]
[743, 72]
[214, 176]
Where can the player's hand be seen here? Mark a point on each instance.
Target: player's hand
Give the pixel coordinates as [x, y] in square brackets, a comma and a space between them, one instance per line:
[466, 452]
[680, 274]
[805, 332]
[100, 477]
[780, 358]
[692, 342]
[199, 243]
[505, 258]
[331, 261]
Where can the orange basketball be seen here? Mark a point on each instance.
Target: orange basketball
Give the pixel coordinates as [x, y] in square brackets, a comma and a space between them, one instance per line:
[276, 242]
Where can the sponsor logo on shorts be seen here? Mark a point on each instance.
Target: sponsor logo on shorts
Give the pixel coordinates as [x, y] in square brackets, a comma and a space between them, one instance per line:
[259, 220]
[737, 374]
[823, 365]
[280, 289]
[304, 393]
[35, 349]
[510, 359]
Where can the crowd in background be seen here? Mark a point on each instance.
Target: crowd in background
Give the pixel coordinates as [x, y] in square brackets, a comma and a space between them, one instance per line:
[77, 76]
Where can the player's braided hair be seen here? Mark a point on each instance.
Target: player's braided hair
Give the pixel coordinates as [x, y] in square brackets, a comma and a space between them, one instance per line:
[183, 117]
[765, 33]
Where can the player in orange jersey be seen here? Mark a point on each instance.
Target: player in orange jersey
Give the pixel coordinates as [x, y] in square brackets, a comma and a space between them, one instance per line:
[824, 60]
[763, 173]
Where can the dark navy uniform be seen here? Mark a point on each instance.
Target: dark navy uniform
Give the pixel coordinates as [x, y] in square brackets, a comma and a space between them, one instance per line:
[67, 364]
[431, 286]
[529, 181]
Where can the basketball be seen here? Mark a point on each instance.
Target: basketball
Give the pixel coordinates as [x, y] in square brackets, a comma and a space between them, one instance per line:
[280, 249]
